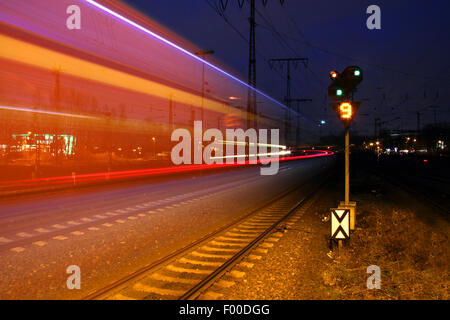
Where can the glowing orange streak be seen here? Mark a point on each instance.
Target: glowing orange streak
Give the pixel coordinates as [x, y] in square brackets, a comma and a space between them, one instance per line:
[40, 57]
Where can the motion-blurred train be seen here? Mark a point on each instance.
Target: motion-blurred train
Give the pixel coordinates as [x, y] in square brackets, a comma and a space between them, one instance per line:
[106, 97]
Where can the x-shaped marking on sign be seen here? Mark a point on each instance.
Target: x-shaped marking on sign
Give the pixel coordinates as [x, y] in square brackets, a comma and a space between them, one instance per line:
[341, 217]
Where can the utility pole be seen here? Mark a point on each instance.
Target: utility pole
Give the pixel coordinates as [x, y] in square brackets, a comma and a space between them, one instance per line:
[287, 98]
[297, 131]
[203, 54]
[434, 114]
[288, 62]
[251, 95]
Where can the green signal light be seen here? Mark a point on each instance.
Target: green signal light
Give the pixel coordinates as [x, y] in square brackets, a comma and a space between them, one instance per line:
[357, 73]
[339, 92]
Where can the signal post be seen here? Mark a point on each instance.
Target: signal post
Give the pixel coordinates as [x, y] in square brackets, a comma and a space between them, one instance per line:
[341, 90]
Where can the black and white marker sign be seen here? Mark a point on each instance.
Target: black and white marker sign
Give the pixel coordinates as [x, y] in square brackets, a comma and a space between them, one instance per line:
[340, 224]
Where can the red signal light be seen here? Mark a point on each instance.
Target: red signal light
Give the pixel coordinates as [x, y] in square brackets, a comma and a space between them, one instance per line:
[333, 75]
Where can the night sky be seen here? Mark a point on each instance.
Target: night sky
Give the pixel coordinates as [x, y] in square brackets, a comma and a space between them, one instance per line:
[406, 63]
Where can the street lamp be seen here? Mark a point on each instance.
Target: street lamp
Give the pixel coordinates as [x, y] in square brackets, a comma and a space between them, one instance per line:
[322, 122]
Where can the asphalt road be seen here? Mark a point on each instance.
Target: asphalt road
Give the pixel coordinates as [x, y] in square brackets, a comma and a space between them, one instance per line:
[111, 231]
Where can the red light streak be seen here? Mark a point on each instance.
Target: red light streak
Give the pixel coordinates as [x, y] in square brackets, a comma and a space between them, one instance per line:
[102, 176]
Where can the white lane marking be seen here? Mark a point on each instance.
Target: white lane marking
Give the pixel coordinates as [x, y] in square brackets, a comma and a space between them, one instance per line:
[60, 238]
[273, 239]
[86, 219]
[141, 215]
[132, 218]
[99, 216]
[4, 240]
[263, 251]
[18, 249]
[40, 243]
[93, 229]
[42, 230]
[267, 245]
[200, 263]
[254, 257]
[111, 213]
[160, 209]
[107, 225]
[74, 223]
[120, 221]
[161, 277]
[151, 211]
[187, 270]
[162, 292]
[24, 234]
[77, 233]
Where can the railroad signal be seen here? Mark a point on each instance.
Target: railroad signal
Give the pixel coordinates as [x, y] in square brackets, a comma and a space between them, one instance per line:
[344, 84]
[341, 90]
[352, 76]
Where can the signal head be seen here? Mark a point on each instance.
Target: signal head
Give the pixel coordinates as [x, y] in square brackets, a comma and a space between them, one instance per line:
[353, 75]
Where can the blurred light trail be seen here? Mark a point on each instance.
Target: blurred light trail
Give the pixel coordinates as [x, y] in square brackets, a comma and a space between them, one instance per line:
[175, 46]
[281, 153]
[252, 144]
[40, 57]
[99, 176]
[63, 114]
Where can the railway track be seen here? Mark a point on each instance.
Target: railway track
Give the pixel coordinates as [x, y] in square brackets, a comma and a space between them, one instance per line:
[435, 197]
[190, 271]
